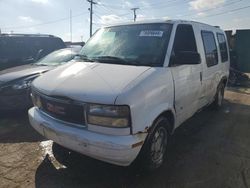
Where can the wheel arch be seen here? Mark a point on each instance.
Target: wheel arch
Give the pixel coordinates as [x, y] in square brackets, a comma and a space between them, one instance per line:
[141, 159]
[171, 118]
[224, 80]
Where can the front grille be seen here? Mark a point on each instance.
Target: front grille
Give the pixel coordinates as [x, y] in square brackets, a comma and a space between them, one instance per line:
[63, 110]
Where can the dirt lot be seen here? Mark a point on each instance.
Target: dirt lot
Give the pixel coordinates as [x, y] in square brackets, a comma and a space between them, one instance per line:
[209, 150]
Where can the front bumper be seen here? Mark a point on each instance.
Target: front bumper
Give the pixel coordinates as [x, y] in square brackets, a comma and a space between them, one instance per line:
[119, 150]
[18, 101]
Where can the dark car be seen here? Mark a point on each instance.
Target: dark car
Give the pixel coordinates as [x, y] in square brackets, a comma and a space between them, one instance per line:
[15, 82]
[20, 49]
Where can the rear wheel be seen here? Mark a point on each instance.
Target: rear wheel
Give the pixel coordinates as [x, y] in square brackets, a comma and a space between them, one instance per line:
[153, 152]
[219, 97]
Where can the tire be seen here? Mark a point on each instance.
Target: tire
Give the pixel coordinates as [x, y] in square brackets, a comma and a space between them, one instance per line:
[153, 152]
[219, 97]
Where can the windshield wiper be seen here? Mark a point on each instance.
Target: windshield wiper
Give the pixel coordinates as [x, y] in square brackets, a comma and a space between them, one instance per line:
[120, 61]
[138, 62]
[38, 64]
[110, 59]
[84, 58]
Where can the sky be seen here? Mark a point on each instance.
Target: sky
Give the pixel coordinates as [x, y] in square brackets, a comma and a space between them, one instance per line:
[53, 16]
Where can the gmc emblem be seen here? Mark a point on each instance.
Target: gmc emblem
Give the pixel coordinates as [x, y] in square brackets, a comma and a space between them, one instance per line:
[56, 109]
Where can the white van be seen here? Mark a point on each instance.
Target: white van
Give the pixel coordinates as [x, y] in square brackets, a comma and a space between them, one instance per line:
[131, 87]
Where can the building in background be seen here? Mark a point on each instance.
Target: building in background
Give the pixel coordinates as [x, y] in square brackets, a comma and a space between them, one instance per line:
[239, 44]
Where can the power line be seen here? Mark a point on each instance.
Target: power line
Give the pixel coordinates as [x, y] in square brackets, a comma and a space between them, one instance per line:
[108, 10]
[177, 4]
[120, 15]
[207, 10]
[98, 16]
[70, 25]
[229, 11]
[123, 14]
[211, 9]
[111, 8]
[44, 23]
[166, 4]
[116, 6]
[101, 19]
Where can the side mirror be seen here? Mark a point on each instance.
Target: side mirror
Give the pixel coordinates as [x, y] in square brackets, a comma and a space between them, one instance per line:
[39, 54]
[29, 60]
[186, 58]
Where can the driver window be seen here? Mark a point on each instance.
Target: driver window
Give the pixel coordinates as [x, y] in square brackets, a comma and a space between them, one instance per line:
[184, 41]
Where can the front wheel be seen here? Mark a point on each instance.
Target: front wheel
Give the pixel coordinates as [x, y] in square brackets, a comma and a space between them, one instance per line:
[153, 152]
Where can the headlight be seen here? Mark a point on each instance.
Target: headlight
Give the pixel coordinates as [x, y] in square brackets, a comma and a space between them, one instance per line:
[23, 84]
[36, 99]
[108, 115]
[16, 87]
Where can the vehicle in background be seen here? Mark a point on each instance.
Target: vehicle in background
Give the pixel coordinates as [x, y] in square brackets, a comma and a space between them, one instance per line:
[133, 86]
[20, 49]
[69, 44]
[15, 82]
[76, 47]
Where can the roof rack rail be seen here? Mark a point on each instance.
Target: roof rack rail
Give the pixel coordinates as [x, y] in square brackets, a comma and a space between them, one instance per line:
[26, 35]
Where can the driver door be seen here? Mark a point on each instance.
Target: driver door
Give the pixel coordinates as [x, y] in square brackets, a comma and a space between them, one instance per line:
[187, 77]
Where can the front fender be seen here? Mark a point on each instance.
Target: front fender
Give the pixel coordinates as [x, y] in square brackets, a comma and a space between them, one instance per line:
[148, 97]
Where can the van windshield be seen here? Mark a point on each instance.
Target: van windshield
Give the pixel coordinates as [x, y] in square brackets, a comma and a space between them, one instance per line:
[139, 45]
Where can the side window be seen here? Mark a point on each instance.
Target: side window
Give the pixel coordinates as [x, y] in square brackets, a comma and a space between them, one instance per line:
[184, 39]
[223, 47]
[210, 48]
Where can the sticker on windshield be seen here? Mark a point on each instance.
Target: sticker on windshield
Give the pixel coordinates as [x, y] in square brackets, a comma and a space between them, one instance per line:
[151, 33]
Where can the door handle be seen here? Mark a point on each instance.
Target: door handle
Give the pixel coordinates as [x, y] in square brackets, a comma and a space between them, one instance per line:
[201, 76]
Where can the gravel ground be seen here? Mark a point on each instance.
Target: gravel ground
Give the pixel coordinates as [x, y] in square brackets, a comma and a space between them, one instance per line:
[210, 150]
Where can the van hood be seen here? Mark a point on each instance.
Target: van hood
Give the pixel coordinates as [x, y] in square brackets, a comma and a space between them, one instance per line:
[88, 82]
[19, 72]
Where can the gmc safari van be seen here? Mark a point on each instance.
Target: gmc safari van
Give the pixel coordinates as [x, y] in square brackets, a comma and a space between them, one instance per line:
[130, 88]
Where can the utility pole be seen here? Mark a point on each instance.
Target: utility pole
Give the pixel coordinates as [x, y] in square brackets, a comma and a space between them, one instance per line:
[91, 14]
[134, 9]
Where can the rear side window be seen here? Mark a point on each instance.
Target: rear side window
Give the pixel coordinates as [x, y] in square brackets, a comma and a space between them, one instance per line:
[223, 47]
[210, 48]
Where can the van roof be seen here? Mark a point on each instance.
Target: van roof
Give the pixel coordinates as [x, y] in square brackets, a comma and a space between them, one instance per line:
[163, 21]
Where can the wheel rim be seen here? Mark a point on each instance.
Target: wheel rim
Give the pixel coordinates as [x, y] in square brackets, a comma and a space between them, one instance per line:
[158, 146]
[220, 97]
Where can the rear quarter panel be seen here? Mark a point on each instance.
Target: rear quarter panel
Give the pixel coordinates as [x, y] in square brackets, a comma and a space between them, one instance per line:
[211, 75]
